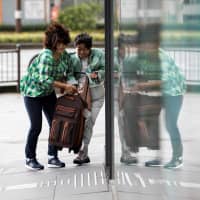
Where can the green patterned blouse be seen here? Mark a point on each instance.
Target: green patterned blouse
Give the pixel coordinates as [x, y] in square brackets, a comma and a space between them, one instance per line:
[173, 80]
[155, 66]
[43, 71]
[96, 63]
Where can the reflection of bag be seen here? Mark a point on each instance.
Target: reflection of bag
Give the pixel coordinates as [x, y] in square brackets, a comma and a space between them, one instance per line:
[141, 120]
[149, 106]
[97, 92]
[148, 112]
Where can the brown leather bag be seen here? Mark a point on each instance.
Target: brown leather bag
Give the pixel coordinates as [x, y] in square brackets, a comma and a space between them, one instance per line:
[68, 122]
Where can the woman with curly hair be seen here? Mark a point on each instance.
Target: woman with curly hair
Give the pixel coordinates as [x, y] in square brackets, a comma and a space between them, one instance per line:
[44, 74]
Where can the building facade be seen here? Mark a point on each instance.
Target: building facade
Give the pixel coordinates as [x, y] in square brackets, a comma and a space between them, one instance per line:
[39, 11]
[170, 11]
[32, 12]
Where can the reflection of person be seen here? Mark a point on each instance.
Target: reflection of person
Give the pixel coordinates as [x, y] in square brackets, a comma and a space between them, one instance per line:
[173, 87]
[140, 107]
[37, 86]
[91, 61]
[119, 58]
[152, 74]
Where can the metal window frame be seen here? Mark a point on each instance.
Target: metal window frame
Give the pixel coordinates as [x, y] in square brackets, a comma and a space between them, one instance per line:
[109, 99]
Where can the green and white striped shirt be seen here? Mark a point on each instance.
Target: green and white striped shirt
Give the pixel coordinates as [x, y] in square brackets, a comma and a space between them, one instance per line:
[173, 81]
[156, 65]
[43, 71]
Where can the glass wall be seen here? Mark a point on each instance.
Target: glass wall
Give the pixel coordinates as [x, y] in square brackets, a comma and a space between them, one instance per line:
[156, 83]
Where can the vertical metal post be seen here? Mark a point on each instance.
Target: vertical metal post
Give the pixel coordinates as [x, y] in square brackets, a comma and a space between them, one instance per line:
[47, 11]
[1, 12]
[109, 100]
[18, 16]
[18, 48]
[75, 3]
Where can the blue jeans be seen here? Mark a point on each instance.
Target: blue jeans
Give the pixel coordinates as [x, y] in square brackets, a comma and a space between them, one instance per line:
[34, 107]
[172, 105]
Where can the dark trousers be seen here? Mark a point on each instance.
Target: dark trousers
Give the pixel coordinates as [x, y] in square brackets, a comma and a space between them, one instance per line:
[34, 107]
[172, 105]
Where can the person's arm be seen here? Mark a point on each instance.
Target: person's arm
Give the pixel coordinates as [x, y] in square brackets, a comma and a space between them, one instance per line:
[65, 86]
[150, 84]
[97, 66]
[72, 63]
[45, 71]
[140, 86]
[45, 75]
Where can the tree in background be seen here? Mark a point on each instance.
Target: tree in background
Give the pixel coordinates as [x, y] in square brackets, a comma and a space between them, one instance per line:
[81, 17]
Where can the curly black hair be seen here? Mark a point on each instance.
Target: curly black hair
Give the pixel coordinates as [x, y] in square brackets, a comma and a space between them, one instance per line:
[83, 38]
[54, 34]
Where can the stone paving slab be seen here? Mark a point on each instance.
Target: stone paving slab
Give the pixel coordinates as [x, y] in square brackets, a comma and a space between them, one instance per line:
[174, 184]
[49, 183]
[136, 196]
[90, 196]
[133, 182]
[29, 195]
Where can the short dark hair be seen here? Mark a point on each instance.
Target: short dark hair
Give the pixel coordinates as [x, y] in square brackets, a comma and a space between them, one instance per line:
[149, 33]
[127, 40]
[85, 39]
[54, 34]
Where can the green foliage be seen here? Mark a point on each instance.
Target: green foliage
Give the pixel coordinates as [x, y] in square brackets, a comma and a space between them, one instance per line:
[164, 26]
[37, 37]
[23, 37]
[80, 17]
[32, 27]
[7, 27]
[168, 38]
[183, 27]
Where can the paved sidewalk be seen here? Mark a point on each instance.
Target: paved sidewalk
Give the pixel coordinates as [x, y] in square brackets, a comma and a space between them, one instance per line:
[89, 181]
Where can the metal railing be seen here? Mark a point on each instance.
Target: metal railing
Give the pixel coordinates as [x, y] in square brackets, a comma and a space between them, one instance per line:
[188, 60]
[13, 64]
[10, 70]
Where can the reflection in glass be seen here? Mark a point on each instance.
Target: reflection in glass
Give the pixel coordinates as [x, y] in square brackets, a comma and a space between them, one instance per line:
[156, 66]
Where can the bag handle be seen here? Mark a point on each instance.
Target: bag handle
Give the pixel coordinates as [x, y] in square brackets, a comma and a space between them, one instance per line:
[87, 82]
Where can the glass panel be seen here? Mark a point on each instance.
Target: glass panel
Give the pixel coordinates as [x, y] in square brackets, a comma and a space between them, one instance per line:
[156, 71]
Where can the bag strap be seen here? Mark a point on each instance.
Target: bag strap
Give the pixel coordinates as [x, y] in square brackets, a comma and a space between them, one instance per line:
[32, 59]
[87, 83]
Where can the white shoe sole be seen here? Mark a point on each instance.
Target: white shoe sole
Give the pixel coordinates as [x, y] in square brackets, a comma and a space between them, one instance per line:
[179, 166]
[33, 169]
[54, 166]
[154, 165]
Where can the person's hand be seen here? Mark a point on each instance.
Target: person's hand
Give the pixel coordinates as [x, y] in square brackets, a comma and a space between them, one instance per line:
[70, 88]
[94, 75]
[62, 90]
[135, 88]
[116, 75]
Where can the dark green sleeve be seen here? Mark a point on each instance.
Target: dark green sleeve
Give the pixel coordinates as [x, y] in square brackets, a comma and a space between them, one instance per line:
[72, 67]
